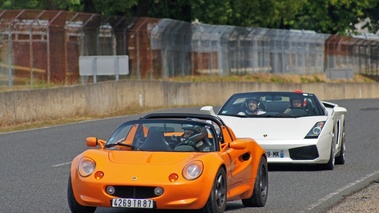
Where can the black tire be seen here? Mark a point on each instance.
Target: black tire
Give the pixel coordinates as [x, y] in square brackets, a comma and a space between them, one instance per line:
[341, 158]
[332, 160]
[217, 199]
[259, 196]
[73, 204]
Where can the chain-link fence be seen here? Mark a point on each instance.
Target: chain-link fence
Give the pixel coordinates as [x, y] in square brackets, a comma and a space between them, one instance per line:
[358, 53]
[45, 46]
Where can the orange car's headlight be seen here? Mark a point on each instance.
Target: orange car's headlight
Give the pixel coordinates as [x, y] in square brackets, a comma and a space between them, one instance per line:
[86, 166]
[193, 170]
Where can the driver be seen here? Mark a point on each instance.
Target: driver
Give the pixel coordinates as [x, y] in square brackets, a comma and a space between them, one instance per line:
[193, 139]
[295, 103]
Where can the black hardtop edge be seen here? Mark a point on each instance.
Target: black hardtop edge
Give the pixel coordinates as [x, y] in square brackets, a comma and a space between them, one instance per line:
[183, 116]
[274, 92]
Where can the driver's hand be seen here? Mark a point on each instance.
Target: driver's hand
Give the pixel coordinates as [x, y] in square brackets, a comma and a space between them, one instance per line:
[190, 142]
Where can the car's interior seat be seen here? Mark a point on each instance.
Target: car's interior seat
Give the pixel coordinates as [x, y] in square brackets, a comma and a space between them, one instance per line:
[277, 106]
[155, 140]
[262, 106]
[309, 107]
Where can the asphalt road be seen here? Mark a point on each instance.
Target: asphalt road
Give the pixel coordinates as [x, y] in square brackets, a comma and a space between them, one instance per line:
[34, 166]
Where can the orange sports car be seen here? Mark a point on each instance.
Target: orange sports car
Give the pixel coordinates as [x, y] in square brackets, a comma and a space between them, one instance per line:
[169, 161]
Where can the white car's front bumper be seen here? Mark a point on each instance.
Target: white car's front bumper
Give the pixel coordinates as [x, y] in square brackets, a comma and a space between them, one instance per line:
[307, 151]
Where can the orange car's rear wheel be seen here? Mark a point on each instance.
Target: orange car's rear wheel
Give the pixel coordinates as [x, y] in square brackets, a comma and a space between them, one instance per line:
[259, 196]
[73, 204]
[217, 199]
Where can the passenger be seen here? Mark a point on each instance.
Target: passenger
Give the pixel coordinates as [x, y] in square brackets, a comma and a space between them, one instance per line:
[252, 107]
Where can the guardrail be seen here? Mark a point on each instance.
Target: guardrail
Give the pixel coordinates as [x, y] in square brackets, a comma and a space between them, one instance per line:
[113, 96]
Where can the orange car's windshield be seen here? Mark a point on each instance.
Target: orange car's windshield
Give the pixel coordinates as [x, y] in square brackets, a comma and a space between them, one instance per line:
[165, 136]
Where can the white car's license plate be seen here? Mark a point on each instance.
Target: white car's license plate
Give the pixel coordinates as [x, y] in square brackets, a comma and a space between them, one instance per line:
[132, 203]
[276, 153]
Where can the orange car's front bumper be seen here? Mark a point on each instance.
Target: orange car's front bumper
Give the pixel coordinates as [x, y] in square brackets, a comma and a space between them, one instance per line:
[182, 194]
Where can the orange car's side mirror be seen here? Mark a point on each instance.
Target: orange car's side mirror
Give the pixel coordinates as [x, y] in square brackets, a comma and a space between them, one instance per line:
[93, 142]
[237, 144]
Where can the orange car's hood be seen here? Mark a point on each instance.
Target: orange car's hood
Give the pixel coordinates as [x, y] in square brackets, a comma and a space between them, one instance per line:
[152, 158]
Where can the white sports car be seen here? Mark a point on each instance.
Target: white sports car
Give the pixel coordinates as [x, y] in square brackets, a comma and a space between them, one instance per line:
[293, 127]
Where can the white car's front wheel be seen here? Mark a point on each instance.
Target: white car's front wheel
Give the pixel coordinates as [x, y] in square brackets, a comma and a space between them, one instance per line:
[332, 159]
[340, 159]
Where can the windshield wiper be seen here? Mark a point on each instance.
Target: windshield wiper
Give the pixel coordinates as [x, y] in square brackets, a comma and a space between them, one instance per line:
[277, 115]
[121, 144]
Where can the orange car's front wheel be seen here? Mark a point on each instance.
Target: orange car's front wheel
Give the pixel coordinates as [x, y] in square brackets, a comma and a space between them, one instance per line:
[73, 204]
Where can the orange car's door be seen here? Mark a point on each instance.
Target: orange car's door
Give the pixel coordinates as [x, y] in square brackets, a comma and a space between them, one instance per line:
[240, 167]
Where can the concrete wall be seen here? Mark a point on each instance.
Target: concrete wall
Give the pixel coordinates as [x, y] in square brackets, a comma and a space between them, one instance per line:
[107, 97]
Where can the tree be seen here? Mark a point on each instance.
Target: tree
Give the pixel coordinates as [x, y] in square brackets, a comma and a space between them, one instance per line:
[17, 5]
[174, 9]
[326, 16]
[331, 16]
[72, 5]
[372, 14]
[248, 13]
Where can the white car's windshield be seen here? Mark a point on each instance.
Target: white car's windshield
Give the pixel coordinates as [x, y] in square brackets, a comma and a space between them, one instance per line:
[273, 104]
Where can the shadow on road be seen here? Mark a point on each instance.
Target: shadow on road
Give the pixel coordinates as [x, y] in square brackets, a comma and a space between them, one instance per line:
[294, 167]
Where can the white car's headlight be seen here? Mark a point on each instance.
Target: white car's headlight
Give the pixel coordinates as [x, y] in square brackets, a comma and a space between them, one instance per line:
[86, 166]
[316, 130]
[193, 170]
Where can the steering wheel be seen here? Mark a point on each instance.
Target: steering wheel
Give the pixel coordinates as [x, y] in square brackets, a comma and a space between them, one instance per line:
[188, 143]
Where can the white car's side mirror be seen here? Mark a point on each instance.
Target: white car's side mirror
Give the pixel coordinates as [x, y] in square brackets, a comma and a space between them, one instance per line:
[208, 109]
[339, 109]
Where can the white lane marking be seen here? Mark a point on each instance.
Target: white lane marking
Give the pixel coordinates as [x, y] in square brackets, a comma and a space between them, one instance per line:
[61, 164]
[330, 195]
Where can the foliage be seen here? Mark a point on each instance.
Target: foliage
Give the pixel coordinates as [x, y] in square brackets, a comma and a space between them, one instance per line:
[332, 16]
[41, 4]
[372, 13]
[325, 16]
